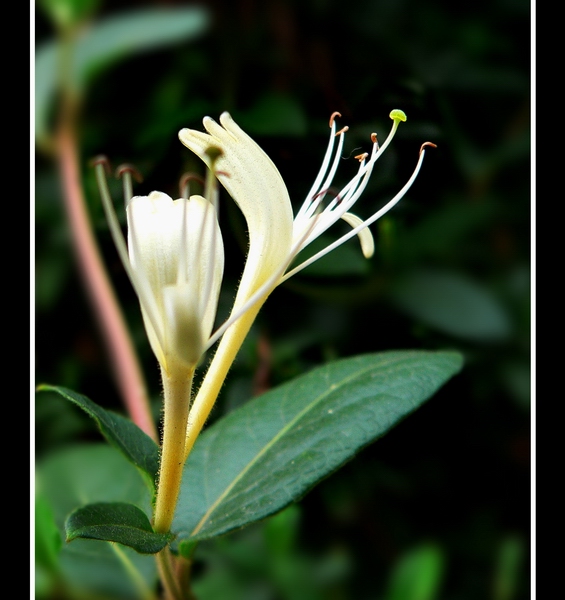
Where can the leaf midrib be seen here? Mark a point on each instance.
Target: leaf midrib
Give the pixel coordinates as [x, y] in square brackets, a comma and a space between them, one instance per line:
[275, 439]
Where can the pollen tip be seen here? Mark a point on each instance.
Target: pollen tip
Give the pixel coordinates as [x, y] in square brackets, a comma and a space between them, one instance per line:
[342, 130]
[184, 183]
[127, 168]
[426, 144]
[334, 115]
[362, 157]
[398, 115]
[374, 138]
[101, 159]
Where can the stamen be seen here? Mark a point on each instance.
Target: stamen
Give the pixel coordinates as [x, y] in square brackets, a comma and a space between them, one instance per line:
[334, 115]
[425, 144]
[374, 138]
[184, 186]
[321, 173]
[127, 168]
[363, 225]
[362, 157]
[126, 172]
[141, 287]
[342, 130]
[321, 194]
[101, 160]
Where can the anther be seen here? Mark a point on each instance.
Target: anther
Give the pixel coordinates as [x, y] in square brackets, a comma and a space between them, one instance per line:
[224, 173]
[346, 128]
[101, 160]
[126, 173]
[126, 168]
[374, 138]
[337, 197]
[430, 144]
[184, 187]
[362, 157]
[332, 118]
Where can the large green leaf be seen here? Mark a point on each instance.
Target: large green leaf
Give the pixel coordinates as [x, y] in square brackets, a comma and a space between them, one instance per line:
[108, 40]
[91, 473]
[120, 522]
[268, 453]
[136, 445]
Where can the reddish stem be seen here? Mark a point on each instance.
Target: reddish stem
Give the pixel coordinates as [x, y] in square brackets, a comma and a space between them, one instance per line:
[122, 355]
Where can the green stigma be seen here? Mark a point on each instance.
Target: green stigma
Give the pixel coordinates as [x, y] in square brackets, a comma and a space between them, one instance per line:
[213, 153]
[397, 115]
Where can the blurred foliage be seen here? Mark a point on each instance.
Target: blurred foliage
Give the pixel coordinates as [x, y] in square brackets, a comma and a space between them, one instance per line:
[439, 509]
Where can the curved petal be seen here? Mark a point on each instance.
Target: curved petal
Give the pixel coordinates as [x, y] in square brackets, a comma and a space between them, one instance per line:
[255, 184]
[365, 236]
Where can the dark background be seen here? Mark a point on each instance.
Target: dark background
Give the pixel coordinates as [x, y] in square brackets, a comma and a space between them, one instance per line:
[454, 476]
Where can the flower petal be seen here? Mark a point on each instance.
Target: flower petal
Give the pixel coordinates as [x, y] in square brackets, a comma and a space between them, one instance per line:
[255, 184]
[176, 254]
[365, 236]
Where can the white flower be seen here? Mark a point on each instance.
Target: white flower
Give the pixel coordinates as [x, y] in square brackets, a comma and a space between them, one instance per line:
[275, 236]
[176, 266]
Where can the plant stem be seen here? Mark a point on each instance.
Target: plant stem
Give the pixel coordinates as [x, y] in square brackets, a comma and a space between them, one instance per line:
[177, 384]
[167, 576]
[122, 355]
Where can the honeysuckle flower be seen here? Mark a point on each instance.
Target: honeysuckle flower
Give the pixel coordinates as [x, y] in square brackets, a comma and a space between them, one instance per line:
[275, 235]
[177, 259]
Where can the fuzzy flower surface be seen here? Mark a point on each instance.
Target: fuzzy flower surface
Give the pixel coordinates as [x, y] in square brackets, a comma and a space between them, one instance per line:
[177, 259]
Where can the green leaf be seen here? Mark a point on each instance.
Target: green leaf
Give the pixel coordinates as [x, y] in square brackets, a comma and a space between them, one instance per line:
[136, 445]
[417, 575]
[116, 522]
[453, 304]
[69, 13]
[91, 473]
[47, 538]
[108, 40]
[271, 451]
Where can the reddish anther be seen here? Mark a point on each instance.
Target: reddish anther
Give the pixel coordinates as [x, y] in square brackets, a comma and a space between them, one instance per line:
[129, 169]
[332, 118]
[101, 160]
[374, 138]
[343, 130]
[362, 157]
[430, 144]
[190, 177]
[183, 183]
